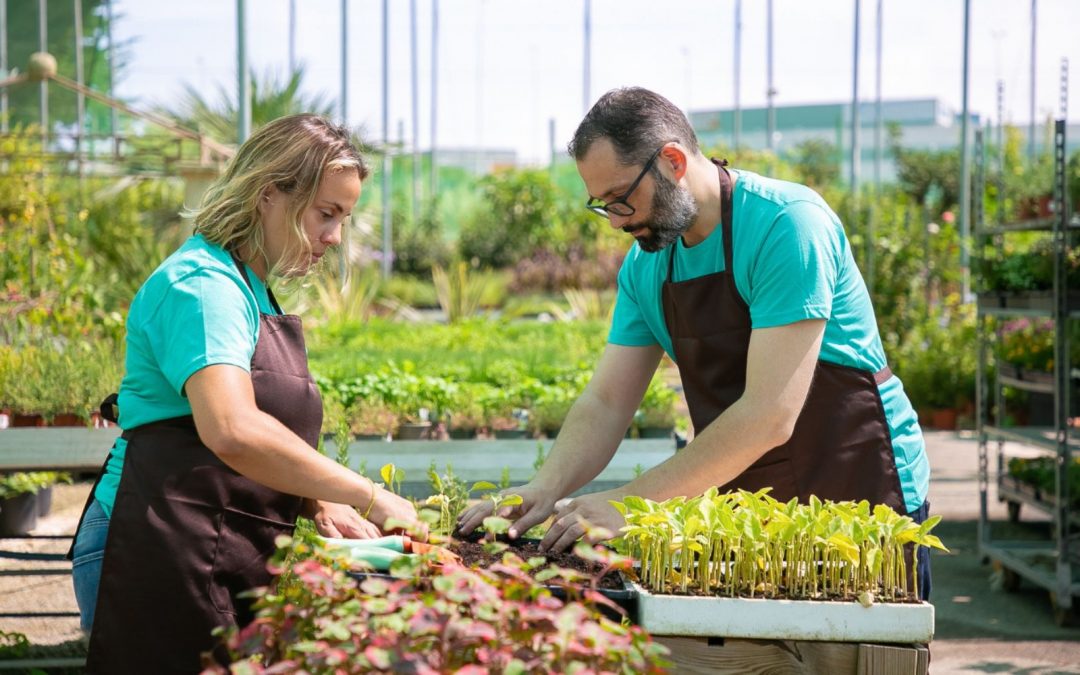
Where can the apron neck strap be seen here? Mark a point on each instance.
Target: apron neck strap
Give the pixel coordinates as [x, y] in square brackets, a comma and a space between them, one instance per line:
[726, 209]
[243, 273]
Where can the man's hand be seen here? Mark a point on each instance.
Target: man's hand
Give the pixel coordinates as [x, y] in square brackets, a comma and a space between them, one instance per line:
[536, 505]
[572, 515]
[341, 520]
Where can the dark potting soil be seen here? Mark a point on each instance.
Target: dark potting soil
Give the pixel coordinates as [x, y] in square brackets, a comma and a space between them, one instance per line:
[473, 554]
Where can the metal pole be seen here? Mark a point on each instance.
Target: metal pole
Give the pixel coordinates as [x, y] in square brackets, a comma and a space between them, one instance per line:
[737, 122]
[388, 247]
[292, 37]
[965, 165]
[43, 98]
[415, 114]
[879, 123]
[770, 128]
[855, 107]
[3, 66]
[551, 141]
[80, 100]
[434, 95]
[243, 89]
[586, 74]
[1031, 123]
[344, 61]
[1000, 209]
[114, 116]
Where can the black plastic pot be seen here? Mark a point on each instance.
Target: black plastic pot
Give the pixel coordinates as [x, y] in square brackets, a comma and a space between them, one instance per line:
[511, 434]
[656, 432]
[44, 501]
[18, 515]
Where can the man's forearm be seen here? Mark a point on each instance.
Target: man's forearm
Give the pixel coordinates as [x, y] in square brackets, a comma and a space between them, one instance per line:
[588, 440]
[734, 441]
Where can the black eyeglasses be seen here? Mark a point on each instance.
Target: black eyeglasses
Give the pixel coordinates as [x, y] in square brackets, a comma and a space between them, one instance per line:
[619, 206]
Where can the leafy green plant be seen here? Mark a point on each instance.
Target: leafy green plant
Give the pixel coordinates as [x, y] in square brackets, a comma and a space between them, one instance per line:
[30, 482]
[1039, 473]
[449, 497]
[392, 477]
[459, 290]
[460, 620]
[749, 544]
[936, 361]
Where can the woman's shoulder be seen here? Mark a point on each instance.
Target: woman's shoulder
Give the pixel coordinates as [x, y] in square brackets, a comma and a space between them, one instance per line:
[199, 270]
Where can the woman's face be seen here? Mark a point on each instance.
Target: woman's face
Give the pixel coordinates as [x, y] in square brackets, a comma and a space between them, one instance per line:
[321, 223]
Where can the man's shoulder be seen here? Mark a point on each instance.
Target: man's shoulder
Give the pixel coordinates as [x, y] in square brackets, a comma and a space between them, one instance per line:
[765, 192]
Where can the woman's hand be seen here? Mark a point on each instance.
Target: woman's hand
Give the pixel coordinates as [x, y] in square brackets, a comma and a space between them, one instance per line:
[393, 514]
[341, 520]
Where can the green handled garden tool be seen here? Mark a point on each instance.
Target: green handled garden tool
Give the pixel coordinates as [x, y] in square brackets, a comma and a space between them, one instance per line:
[382, 551]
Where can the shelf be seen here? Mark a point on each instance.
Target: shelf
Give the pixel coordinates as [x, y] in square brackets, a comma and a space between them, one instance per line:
[1031, 380]
[1013, 490]
[1034, 225]
[1032, 303]
[1033, 562]
[1041, 437]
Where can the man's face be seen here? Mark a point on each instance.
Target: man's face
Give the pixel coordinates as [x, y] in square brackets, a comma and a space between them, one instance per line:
[671, 213]
[663, 210]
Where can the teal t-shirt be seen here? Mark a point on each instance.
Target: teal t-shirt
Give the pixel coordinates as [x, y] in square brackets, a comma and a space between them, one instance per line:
[792, 261]
[194, 311]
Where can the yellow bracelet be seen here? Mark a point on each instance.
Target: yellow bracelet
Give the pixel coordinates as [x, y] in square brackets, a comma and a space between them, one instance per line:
[367, 512]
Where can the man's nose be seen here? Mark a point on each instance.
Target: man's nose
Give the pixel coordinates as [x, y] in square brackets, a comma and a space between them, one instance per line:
[618, 222]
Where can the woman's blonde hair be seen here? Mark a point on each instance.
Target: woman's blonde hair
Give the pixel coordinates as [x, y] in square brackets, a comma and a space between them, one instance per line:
[292, 154]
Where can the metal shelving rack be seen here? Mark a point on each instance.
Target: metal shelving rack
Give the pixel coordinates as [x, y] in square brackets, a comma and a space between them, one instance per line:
[1053, 564]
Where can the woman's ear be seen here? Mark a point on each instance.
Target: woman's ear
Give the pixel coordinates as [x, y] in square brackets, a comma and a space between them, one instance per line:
[266, 198]
[675, 157]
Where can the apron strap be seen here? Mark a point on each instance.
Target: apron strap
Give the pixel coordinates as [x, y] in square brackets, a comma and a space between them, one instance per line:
[243, 273]
[726, 210]
[882, 376]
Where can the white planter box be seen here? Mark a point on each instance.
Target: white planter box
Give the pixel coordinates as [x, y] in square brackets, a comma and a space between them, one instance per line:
[784, 619]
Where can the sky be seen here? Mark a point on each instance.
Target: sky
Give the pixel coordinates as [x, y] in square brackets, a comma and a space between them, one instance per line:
[507, 67]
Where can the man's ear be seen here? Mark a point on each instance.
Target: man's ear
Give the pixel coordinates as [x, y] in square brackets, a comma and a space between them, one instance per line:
[675, 157]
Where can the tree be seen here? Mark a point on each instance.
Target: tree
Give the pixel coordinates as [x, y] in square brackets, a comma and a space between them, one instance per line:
[926, 173]
[815, 161]
[271, 98]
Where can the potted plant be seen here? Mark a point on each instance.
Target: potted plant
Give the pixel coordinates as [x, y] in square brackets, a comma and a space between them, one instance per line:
[371, 420]
[465, 415]
[19, 508]
[745, 565]
[550, 409]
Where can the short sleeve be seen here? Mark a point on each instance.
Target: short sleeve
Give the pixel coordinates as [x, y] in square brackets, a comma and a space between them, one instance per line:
[628, 325]
[794, 274]
[204, 319]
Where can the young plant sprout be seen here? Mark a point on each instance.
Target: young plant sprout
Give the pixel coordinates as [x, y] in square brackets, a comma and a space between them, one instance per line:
[495, 524]
[392, 477]
[751, 545]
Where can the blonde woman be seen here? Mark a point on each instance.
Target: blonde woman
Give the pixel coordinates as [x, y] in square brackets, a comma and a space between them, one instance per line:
[220, 414]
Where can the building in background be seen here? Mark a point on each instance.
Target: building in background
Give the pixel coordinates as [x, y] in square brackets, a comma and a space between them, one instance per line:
[925, 124]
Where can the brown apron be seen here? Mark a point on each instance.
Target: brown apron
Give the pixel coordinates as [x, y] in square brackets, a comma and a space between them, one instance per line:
[840, 448]
[187, 533]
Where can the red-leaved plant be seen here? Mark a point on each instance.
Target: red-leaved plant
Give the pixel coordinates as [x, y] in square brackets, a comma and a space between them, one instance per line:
[457, 620]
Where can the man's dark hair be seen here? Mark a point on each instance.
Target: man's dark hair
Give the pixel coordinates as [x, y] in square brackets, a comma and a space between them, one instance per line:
[636, 121]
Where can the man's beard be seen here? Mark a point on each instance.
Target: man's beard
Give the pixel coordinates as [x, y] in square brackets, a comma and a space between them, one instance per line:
[673, 212]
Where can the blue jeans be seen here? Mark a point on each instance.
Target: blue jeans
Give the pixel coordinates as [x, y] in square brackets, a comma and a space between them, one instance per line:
[920, 515]
[86, 562]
